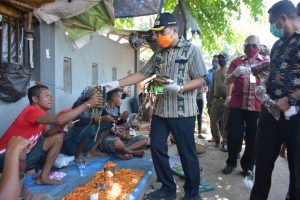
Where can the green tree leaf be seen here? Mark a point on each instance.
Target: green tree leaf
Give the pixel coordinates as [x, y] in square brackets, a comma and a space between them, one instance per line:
[215, 18]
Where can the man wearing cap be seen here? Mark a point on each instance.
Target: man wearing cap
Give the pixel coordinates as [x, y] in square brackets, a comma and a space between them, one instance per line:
[282, 86]
[208, 79]
[244, 107]
[217, 96]
[175, 109]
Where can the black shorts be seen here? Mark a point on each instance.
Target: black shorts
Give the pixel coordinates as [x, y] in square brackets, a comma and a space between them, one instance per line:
[37, 155]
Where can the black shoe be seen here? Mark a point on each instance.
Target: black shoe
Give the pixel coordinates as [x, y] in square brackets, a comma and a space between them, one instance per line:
[217, 143]
[161, 194]
[228, 169]
[224, 148]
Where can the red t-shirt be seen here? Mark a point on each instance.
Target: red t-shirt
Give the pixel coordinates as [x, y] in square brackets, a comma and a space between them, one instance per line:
[25, 125]
[243, 91]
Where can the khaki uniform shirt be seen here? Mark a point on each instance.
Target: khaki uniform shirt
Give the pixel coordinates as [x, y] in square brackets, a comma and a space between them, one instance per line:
[220, 88]
[182, 64]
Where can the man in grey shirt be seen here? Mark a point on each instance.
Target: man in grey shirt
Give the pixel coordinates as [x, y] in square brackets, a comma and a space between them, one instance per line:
[175, 109]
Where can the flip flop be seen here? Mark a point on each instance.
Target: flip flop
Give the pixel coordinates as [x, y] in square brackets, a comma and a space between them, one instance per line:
[205, 186]
[177, 170]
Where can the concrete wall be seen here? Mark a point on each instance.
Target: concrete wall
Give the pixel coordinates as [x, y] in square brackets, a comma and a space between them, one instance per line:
[54, 46]
[9, 111]
[101, 50]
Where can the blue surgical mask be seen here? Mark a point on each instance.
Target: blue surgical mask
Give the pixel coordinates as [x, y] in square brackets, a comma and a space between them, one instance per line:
[222, 63]
[276, 32]
[215, 64]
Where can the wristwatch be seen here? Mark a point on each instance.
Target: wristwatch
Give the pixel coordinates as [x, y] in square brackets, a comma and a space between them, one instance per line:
[292, 100]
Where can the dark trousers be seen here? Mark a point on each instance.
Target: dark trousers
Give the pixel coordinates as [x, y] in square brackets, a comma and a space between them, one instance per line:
[183, 132]
[199, 116]
[240, 121]
[271, 134]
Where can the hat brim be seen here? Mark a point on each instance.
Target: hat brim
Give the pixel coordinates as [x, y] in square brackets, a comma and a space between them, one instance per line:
[158, 28]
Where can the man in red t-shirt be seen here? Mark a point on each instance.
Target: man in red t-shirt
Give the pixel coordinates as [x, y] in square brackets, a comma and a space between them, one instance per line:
[244, 106]
[32, 123]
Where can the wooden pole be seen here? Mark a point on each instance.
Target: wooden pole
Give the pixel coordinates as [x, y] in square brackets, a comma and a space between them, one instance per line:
[8, 39]
[29, 24]
[17, 40]
[1, 42]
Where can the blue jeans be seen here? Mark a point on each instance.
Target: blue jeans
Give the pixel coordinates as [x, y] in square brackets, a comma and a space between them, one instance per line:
[183, 132]
[75, 136]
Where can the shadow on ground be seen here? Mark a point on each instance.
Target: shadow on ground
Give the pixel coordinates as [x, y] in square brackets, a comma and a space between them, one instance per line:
[229, 187]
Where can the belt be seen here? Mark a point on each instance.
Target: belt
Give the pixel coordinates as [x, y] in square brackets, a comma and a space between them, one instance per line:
[219, 97]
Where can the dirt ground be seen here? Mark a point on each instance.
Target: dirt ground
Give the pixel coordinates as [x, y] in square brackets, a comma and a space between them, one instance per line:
[229, 187]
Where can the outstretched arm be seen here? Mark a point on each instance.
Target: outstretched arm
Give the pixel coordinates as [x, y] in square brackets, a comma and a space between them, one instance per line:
[132, 79]
[63, 118]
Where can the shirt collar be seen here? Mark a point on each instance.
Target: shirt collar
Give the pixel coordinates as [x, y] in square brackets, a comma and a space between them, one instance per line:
[181, 42]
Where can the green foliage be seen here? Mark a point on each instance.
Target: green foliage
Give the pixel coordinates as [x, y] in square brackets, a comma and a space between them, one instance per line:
[215, 17]
[169, 5]
[124, 23]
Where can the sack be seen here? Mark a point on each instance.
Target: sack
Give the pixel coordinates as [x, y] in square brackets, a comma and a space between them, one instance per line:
[63, 160]
[14, 80]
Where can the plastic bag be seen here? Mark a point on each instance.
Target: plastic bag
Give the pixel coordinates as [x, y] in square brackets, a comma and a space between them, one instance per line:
[248, 180]
[63, 160]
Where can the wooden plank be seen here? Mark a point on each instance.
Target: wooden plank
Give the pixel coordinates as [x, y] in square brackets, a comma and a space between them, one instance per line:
[9, 11]
[15, 8]
[36, 3]
[21, 4]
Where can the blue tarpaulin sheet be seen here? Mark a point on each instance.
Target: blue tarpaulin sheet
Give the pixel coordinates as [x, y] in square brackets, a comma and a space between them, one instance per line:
[73, 180]
[134, 8]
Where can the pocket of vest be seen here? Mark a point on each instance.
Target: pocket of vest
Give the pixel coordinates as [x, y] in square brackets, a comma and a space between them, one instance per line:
[181, 61]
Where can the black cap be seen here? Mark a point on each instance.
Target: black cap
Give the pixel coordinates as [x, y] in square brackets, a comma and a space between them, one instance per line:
[163, 20]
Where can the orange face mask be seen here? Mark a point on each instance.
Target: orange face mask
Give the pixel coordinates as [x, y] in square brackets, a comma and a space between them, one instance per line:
[164, 40]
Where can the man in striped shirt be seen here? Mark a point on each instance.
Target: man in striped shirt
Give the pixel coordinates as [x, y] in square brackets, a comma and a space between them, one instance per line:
[176, 108]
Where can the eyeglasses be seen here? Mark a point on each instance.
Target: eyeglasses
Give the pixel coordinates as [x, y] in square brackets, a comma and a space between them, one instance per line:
[253, 46]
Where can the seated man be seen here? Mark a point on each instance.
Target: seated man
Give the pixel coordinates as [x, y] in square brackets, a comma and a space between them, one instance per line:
[79, 139]
[10, 182]
[120, 141]
[32, 123]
